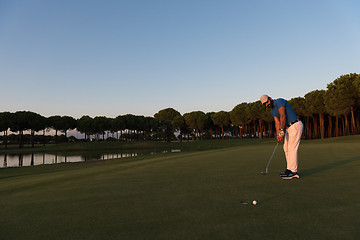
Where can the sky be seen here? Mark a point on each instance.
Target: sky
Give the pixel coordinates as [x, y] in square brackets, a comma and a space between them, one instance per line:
[117, 57]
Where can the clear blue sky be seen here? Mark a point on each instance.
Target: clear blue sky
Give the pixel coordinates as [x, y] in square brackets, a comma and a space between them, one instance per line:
[109, 58]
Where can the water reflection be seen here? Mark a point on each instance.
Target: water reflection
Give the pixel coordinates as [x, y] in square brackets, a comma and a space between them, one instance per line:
[21, 160]
[5, 160]
[32, 159]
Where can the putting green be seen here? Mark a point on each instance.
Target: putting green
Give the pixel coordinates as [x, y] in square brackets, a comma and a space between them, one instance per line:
[193, 195]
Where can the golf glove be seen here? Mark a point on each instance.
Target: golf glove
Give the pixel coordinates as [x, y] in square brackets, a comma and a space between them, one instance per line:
[281, 133]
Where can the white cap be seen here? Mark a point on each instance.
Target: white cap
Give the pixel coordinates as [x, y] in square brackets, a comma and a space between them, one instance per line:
[264, 99]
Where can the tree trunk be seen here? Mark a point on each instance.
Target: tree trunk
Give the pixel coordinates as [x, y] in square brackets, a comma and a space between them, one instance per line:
[315, 123]
[44, 139]
[308, 128]
[322, 127]
[254, 127]
[260, 130]
[353, 127]
[330, 126]
[270, 130]
[5, 138]
[21, 144]
[346, 127]
[32, 138]
[32, 159]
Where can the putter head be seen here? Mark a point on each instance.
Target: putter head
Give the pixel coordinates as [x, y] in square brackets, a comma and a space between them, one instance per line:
[264, 173]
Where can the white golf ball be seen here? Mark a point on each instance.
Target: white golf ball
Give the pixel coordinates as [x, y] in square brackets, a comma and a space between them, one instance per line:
[254, 202]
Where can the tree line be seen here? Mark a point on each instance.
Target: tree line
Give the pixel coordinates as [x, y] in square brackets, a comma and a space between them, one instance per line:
[325, 113]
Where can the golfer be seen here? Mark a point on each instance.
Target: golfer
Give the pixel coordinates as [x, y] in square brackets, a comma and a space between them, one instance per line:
[288, 127]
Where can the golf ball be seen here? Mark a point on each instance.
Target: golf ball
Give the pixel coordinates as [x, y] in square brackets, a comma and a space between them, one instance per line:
[254, 202]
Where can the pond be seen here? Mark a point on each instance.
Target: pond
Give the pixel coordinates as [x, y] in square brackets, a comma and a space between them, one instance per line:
[32, 159]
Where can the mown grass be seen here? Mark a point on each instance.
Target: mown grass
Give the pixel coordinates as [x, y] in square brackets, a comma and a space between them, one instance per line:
[189, 195]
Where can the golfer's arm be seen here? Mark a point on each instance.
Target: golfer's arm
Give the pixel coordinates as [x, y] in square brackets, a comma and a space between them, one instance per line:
[282, 118]
[277, 125]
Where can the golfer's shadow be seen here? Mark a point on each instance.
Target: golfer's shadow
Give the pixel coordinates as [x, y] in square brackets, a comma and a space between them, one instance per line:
[312, 171]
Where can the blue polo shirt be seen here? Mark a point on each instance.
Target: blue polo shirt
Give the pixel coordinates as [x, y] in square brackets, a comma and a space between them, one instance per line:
[289, 112]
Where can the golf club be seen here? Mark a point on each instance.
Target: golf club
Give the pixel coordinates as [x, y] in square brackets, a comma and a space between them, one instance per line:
[266, 171]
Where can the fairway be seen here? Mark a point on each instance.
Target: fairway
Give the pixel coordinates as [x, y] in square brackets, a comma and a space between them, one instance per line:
[189, 195]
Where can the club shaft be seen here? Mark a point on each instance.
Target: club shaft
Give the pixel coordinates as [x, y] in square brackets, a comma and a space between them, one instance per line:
[271, 157]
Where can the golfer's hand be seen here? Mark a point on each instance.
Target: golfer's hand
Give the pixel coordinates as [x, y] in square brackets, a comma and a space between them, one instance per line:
[280, 135]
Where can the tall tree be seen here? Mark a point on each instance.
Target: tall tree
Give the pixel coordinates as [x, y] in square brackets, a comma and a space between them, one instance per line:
[266, 117]
[221, 119]
[238, 116]
[165, 117]
[67, 123]
[190, 121]
[357, 86]
[340, 99]
[202, 121]
[85, 125]
[178, 124]
[210, 124]
[196, 120]
[257, 111]
[152, 126]
[316, 105]
[101, 124]
[130, 124]
[20, 123]
[36, 123]
[140, 126]
[56, 123]
[118, 124]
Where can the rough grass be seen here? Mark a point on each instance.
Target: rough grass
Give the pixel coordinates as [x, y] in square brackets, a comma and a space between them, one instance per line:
[189, 195]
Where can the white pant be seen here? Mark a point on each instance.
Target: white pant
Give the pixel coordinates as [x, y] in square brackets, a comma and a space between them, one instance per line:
[291, 145]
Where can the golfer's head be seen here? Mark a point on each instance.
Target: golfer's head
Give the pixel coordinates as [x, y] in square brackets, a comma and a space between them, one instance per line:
[266, 100]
